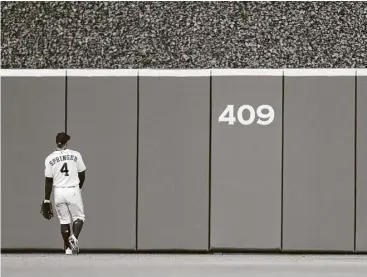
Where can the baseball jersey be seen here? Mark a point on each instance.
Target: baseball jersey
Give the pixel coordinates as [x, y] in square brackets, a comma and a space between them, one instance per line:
[63, 166]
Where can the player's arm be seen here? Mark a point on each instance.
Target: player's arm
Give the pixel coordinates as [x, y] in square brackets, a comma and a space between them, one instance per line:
[81, 176]
[81, 171]
[48, 181]
[48, 188]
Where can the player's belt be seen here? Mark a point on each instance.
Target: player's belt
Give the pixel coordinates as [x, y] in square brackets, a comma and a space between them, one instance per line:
[66, 187]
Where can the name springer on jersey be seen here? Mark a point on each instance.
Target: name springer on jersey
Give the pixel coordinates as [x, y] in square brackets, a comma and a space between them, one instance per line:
[63, 158]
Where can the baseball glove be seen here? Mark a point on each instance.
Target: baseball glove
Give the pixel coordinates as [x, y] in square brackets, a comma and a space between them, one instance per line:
[46, 210]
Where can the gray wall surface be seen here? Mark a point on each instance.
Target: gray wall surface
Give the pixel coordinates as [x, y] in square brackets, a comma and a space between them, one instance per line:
[173, 163]
[246, 164]
[102, 123]
[32, 113]
[164, 174]
[361, 226]
[319, 163]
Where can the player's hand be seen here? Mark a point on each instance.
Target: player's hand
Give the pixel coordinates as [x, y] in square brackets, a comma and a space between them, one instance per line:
[46, 209]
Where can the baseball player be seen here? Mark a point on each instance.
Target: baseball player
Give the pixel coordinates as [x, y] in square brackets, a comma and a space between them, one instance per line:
[65, 172]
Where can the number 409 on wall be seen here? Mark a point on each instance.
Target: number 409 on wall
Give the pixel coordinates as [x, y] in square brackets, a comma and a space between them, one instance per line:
[264, 115]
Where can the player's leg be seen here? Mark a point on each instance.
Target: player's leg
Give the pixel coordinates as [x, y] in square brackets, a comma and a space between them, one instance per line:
[65, 220]
[76, 208]
[77, 227]
[74, 238]
[65, 232]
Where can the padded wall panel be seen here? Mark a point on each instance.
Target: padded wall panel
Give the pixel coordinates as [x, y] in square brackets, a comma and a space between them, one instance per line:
[102, 123]
[246, 161]
[361, 226]
[32, 113]
[319, 119]
[173, 161]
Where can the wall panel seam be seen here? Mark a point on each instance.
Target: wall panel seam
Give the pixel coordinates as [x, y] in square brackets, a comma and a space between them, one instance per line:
[137, 161]
[282, 170]
[355, 160]
[210, 157]
[66, 101]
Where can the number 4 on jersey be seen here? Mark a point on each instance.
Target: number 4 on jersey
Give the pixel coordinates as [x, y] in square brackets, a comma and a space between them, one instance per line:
[64, 169]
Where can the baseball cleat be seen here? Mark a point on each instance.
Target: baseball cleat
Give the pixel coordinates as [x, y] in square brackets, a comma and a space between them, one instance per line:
[74, 244]
[68, 251]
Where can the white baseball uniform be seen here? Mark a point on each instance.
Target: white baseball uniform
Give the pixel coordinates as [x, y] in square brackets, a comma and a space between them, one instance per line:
[63, 166]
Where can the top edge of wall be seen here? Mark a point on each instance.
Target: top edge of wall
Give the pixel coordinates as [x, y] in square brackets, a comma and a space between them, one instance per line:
[362, 72]
[320, 72]
[247, 72]
[174, 72]
[33, 72]
[184, 72]
[102, 72]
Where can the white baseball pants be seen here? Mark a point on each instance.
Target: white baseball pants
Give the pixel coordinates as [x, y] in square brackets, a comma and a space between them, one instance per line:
[69, 204]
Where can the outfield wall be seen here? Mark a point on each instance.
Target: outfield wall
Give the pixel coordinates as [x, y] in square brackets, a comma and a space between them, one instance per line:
[192, 160]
